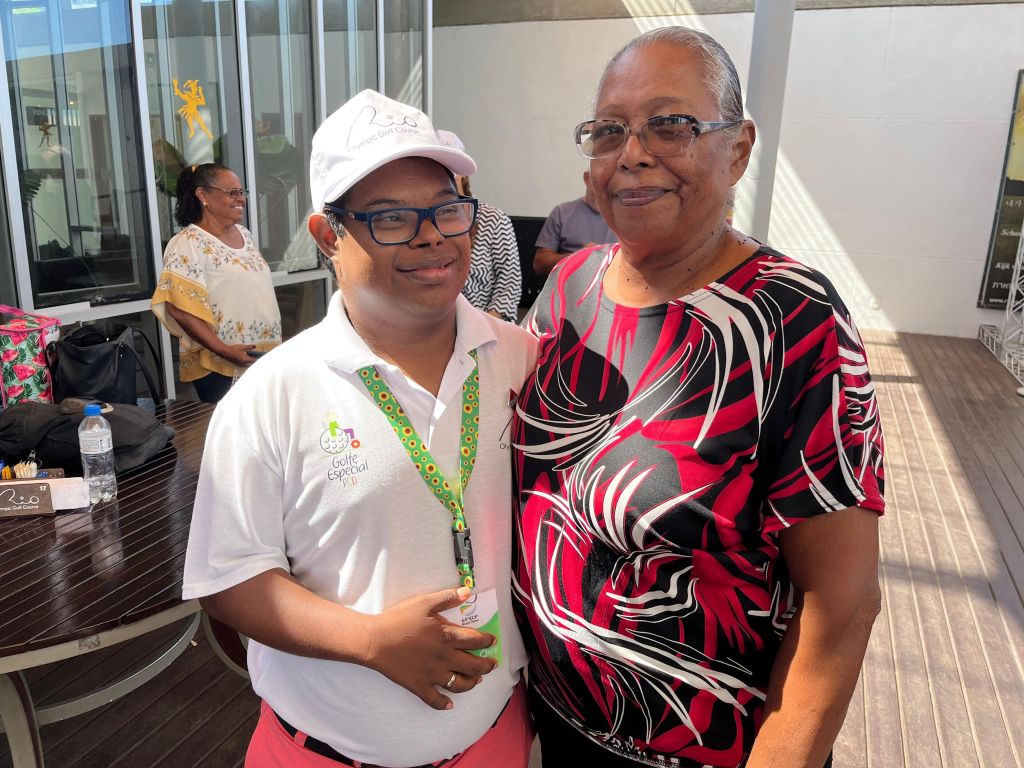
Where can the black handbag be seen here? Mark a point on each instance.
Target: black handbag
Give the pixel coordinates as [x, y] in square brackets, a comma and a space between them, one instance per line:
[99, 361]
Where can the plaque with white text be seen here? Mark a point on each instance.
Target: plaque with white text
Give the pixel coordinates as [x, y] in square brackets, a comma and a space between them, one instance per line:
[1002, 248]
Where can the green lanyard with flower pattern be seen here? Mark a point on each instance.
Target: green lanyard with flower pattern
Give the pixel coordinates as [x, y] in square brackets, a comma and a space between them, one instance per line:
[450, 497]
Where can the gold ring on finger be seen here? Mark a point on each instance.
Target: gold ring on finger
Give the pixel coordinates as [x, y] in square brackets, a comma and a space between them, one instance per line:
[451, 681]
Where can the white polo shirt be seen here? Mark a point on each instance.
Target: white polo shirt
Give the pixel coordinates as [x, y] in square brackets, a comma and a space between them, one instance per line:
[302, 472]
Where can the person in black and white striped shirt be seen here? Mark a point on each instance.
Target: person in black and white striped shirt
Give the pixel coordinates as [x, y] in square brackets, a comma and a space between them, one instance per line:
[495, 278]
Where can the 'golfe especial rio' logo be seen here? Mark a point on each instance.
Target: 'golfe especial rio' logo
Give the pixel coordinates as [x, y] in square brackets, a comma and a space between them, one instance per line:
[340, 445]
[338, 440]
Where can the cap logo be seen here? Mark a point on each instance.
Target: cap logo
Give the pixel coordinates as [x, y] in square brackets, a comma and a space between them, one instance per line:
[320, 164]
[370, 125]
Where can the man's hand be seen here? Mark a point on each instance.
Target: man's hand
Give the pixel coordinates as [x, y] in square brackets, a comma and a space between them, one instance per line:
[409, 643]
[415, 647]
[545, 259]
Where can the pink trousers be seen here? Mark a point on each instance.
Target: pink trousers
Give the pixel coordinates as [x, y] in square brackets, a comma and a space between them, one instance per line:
[510, 738]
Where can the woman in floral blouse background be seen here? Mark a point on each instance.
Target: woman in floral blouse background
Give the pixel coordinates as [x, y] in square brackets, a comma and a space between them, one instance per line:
[215, 292]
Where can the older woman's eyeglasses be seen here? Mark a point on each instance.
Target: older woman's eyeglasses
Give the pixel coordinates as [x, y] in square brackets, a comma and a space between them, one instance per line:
[394, 226]
[661, 135]
[235, 194]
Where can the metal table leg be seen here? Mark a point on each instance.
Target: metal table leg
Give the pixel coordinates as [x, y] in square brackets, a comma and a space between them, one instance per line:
[228, 644]
[19, 719]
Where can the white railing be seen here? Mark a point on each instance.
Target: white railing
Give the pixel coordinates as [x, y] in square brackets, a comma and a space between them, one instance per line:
[1008, 344]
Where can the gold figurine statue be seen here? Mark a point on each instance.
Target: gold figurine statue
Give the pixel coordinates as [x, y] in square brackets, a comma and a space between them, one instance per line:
[194, 98]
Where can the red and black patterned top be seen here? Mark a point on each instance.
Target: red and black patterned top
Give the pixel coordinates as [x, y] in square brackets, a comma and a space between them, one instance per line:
[659, 452]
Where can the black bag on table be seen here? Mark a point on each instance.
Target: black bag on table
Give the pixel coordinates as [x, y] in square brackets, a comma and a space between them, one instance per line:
[52, 432]
[98, 361]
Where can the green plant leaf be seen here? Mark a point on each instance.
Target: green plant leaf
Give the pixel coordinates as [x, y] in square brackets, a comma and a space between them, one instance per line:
[168, 163]
[279, 165]
[31, 181]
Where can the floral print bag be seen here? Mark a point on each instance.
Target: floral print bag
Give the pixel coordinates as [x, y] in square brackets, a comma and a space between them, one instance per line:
[23, 340]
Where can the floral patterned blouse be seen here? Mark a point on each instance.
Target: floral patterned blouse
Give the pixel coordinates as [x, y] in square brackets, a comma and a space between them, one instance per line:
[229, 288]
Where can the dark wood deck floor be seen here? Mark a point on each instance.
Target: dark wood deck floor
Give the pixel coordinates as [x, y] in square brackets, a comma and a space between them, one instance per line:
[943, 684]
[194, 713]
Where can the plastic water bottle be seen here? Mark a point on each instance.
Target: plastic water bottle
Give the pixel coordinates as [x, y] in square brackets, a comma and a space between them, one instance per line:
[97, 446]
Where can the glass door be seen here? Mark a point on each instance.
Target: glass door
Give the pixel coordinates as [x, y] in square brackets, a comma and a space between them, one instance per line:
[195, 108]
[8, 291]
[350, 49]
[403, 51]
[283, 119]
[76, 135]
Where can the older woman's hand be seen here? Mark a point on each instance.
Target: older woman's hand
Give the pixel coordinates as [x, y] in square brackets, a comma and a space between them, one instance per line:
[201, 332]
[237, 354]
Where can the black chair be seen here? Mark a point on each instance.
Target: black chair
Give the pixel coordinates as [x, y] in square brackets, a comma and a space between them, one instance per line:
[527, 229]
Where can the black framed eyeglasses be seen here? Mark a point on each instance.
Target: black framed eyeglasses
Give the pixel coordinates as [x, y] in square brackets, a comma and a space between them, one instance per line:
[238, 193]
[394, 226]
[661, 135]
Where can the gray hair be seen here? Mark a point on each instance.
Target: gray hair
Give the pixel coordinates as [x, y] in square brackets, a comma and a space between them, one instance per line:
[719, 72]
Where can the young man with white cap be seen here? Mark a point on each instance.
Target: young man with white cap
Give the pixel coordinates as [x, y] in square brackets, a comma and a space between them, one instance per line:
[344, 474]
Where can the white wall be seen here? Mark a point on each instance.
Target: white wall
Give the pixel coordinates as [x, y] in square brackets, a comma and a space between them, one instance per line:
[893, 137]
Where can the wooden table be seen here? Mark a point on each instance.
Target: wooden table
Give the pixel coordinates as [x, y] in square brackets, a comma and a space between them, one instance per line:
[76, 582]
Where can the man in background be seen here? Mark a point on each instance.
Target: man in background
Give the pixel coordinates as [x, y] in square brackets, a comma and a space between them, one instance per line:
[571, 227]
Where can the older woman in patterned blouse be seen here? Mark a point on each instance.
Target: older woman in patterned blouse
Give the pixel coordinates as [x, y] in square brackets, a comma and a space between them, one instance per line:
[215, 292]
[698, 455]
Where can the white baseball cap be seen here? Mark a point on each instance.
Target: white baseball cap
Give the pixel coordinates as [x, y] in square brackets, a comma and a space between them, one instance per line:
[450, 139]
[369, 131]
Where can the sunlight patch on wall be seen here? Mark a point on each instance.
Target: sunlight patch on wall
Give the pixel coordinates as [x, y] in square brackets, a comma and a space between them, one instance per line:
[650, 14]
[798, 227]
[412, 90]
